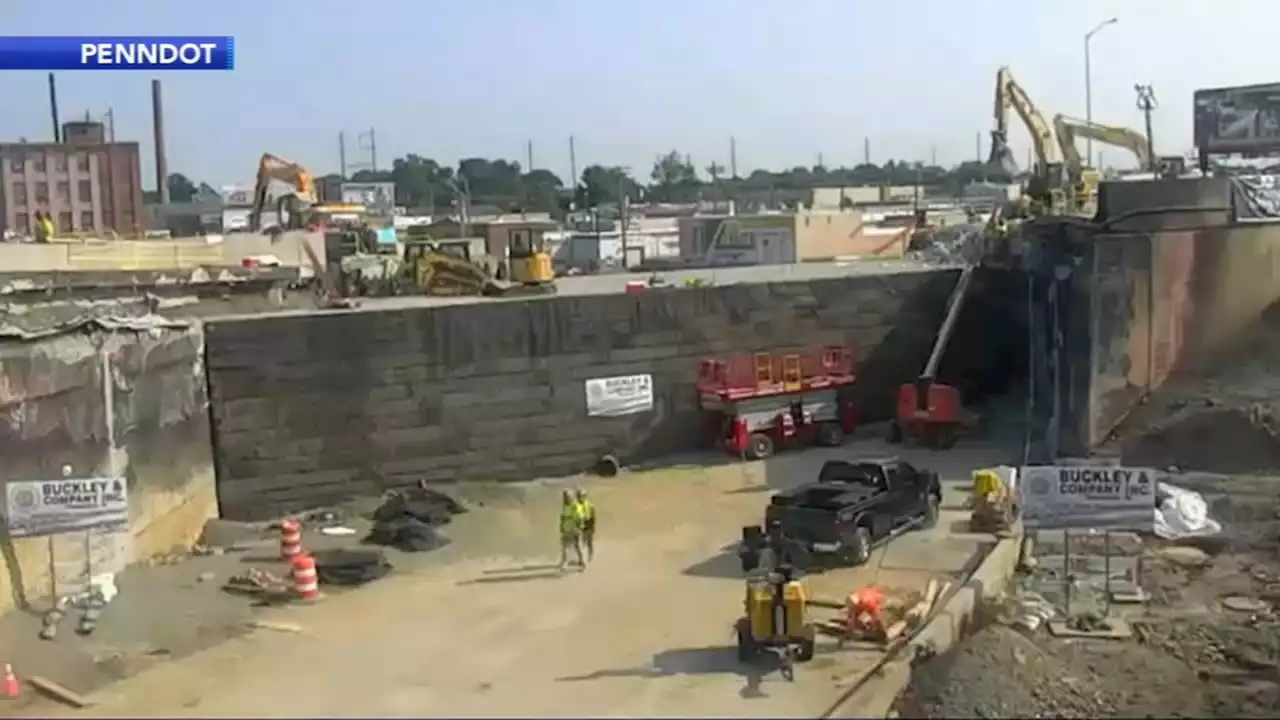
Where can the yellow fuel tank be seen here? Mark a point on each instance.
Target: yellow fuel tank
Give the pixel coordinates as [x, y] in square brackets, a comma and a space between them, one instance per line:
[769, 619]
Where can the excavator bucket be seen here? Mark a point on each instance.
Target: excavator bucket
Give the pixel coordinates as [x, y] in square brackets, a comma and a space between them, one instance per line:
[1001, 160]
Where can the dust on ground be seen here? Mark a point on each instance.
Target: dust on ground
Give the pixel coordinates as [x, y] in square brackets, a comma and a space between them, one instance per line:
[1206, 644]
[481, 626]
[185, 612]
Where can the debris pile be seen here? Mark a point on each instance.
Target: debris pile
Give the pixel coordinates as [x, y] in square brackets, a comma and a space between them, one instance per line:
[1000, 672]
[407, 519]
[1210, 440]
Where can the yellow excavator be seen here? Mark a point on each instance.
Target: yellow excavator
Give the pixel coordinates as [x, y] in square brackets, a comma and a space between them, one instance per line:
[1045, 187]
[1082, 180]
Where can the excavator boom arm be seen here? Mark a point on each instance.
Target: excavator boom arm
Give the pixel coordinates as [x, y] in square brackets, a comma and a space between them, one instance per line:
[1009, 94]
[1069, 129]
[271, 168]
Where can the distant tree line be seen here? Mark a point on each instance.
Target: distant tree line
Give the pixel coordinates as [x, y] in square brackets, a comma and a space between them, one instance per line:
[423, 183]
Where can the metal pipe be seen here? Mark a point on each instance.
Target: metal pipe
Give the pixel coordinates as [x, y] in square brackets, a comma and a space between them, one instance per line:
[157, 123]
[53, 108]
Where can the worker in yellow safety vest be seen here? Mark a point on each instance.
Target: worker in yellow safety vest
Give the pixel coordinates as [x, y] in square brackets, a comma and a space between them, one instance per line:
[570, 529]
[588, 512]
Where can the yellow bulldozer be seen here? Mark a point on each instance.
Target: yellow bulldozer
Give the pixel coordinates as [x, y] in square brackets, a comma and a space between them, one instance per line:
[427, 266]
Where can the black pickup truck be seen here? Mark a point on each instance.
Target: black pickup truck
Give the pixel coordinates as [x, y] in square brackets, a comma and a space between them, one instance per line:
[852, 507]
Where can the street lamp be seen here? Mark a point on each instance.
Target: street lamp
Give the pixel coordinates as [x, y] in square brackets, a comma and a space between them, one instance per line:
[1088, 81]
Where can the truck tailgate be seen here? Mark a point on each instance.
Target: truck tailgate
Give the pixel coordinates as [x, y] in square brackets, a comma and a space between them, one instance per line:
[802, 523]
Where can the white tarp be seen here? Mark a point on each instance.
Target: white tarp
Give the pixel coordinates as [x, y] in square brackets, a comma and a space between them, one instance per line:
[1085, 496]
[51, 507]
[621, 395]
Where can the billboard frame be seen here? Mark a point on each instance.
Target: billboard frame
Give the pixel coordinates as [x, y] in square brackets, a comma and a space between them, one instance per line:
[1261, 98]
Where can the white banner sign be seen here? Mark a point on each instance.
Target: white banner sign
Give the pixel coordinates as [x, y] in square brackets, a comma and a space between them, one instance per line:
[1087, 496]
[49, 507]
[622, 395]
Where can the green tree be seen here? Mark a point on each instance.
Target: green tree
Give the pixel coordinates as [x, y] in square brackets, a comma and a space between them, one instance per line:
[608, 185]
[673, 178]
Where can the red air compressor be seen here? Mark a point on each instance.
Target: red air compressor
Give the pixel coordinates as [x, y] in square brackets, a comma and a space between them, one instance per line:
[755, 403]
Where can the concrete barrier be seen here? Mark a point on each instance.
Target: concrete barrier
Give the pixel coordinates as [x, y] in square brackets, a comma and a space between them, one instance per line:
[179, 254]
[874, 695]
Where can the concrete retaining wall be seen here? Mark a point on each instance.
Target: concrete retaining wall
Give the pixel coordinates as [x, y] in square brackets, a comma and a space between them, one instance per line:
[310, 410]
[1171, 282]
[52, 414]
[1171, 292]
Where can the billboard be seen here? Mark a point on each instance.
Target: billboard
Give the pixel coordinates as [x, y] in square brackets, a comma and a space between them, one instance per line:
[376, 196]
[1238, 120]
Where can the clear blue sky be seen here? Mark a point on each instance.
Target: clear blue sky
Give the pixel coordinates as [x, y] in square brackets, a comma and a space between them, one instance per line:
[457, 78]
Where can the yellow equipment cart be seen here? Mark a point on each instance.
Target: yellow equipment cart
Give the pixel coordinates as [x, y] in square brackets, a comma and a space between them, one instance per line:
[776, 621]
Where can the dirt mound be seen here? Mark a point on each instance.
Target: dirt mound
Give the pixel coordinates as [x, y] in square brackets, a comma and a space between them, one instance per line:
[1210, 440]
[1001, 673]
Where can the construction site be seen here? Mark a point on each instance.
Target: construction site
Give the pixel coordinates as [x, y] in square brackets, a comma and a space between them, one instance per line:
[314, 469]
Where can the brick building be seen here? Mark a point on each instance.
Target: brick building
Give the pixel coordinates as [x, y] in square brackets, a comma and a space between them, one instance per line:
[85, 183]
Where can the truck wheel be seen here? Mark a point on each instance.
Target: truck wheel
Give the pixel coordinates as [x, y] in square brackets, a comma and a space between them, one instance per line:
[858, 550]
[829, 435]
[760, 446]
[746, 643]
[931, 512]
[944, 437]
[895, 433]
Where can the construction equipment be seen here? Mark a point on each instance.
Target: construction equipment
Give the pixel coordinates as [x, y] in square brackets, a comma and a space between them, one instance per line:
[993, 499]
[427, 266]
[776, 621]
[529, 261]
[294, 208]
[1046, 181]
[755, 403]
[1082, 180]
[929, 410]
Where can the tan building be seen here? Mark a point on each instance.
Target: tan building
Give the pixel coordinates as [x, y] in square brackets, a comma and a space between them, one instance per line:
[782, 238]
[85, 183]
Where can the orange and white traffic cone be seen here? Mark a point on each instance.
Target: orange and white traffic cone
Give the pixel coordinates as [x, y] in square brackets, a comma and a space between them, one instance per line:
[10, 688]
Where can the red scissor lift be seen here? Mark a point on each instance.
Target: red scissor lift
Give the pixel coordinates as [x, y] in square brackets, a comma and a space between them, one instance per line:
[755, 403]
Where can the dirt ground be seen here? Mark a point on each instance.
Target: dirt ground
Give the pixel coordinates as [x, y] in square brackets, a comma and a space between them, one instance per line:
[487, 626]
[1206, 644]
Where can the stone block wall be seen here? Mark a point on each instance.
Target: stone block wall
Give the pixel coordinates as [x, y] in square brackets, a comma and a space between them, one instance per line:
[314, 409]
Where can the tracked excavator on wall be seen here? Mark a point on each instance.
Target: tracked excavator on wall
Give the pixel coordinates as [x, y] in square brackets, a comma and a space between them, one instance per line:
[1044, 186]
[1082, 180]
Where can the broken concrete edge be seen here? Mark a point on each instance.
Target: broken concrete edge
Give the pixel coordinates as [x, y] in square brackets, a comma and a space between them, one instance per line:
[874, 694]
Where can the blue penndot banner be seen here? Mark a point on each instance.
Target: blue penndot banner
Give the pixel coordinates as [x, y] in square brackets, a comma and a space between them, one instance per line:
[118, 53]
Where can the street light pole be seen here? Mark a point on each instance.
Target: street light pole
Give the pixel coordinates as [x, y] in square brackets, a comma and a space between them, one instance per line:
[1088, 82]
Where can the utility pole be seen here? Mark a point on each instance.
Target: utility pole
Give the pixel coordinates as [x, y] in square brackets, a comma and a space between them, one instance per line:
[528, 156]
[820, 163]
[933, 155]
[1088, 81]
[866, 150]
[369, 141]
[977, 145]
[1147, 103]
[342, 155]
[733, 157]
[573, 165]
